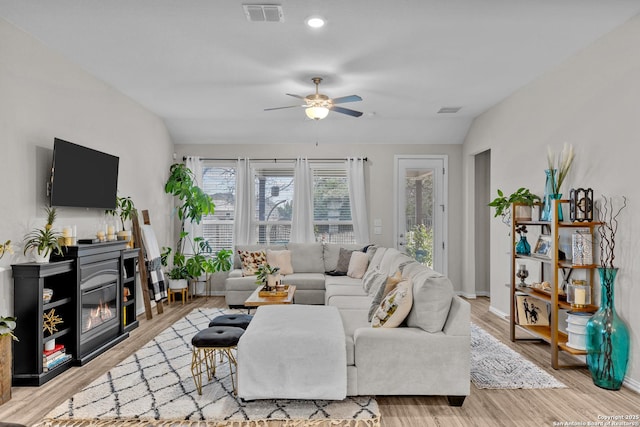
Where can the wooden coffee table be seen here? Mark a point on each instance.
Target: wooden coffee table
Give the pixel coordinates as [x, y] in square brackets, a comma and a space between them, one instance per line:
[256, 300]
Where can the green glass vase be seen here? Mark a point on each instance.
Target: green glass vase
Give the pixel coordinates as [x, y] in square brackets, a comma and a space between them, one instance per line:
[607, 338]
[523, 247]
[549, 196]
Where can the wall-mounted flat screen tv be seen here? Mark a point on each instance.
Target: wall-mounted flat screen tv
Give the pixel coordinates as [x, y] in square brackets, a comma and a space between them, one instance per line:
[82, 177]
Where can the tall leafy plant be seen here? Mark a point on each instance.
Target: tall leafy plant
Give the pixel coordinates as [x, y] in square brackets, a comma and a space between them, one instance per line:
[193, 205]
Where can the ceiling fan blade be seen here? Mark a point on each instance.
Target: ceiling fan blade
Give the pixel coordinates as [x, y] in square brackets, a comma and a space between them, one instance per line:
[295, 96]
[281, 108]
[347, 111]
[343, 99]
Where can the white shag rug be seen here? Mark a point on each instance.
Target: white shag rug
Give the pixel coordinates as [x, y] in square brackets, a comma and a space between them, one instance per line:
[155, 387]
[496, 366]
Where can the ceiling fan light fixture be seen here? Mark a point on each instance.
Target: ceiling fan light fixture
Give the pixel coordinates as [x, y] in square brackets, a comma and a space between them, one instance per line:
[316, 22]
[317, 113]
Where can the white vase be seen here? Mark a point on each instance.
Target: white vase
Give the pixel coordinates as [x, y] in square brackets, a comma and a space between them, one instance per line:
[177, 283]
[273, 280]
[42, 258]
[50, 345]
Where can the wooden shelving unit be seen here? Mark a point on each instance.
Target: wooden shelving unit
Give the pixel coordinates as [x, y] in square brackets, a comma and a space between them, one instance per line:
[551, 334]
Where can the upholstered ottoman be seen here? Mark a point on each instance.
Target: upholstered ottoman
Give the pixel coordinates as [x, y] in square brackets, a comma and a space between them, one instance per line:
[293, 352]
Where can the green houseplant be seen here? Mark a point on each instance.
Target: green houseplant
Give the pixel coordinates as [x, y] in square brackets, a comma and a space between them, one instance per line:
[124, 210]
[44, 241]
[502, 204]
[267, 275]
[193, 205]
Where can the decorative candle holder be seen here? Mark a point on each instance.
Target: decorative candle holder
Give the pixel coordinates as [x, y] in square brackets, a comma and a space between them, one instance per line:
[579, 293]
[522, 274]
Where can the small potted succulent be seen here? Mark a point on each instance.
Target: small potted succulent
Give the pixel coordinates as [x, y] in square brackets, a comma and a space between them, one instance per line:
[44, 241]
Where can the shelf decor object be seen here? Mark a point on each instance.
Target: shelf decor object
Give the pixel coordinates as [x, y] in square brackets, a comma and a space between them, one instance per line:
[607, 334]
[522, 247]
[581, 205]
[558, 167]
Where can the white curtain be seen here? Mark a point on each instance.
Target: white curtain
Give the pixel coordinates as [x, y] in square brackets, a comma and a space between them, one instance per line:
[357, 196]
[302, 215]
[243, 231]
[194, 163]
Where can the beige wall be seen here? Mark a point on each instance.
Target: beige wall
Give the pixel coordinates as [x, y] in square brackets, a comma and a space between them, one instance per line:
[380, 167]
[592, 101]
[43, 96]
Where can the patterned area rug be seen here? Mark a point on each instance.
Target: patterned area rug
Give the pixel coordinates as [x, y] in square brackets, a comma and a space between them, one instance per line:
[154, 387]
[494, 365]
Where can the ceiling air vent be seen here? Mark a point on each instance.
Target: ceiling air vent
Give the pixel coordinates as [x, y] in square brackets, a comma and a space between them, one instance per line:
[263, 12]
[449, 110]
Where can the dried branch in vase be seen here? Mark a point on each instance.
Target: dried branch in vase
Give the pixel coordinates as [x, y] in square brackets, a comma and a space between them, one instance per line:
[608, 216]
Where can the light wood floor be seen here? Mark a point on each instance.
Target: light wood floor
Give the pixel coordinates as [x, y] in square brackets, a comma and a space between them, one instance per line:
[581, 402]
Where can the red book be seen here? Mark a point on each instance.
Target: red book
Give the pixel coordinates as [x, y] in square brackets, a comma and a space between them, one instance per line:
[58, 347]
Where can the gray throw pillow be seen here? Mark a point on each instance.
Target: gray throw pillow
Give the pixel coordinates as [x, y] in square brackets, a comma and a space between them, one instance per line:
[343, 260]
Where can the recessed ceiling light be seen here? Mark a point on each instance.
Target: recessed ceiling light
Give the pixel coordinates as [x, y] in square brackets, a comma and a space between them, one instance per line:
[316, 22]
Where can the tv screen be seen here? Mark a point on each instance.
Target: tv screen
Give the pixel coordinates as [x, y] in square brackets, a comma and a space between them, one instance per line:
[83, 177]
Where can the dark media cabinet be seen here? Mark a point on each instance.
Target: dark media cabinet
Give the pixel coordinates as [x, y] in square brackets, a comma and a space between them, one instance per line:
[94, 295]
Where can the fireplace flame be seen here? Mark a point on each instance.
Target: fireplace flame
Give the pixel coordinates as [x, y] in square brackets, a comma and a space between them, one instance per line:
[98, 315]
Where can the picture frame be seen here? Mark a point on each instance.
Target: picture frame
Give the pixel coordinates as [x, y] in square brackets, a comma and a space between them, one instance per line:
[543, 247]
[532, 311]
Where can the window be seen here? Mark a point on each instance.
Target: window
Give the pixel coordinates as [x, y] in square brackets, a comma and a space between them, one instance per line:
[273, 188]
[219, 181]
[273, 203]
[331, 205]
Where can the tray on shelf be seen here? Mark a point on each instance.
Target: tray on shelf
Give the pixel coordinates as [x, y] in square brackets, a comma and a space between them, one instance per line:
[561, 297]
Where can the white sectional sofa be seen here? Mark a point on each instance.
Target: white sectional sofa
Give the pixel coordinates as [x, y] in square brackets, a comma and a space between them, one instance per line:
[429, 354]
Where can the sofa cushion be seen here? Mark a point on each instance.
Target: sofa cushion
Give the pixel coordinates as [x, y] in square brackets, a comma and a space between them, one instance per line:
[280, 259]
[305, 281]
[395, 307]
[343, 260]
[358, 264]
[374, 262]
[307, 257]
[381, 289]
[432, 294]
[369, 278]
[251, 260]
[332, 252]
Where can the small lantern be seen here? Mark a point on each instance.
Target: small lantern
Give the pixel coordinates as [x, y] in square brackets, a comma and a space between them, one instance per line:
[579, 294]
[581, 205]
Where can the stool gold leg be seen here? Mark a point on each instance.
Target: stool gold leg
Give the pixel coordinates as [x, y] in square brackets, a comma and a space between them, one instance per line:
[196, 368]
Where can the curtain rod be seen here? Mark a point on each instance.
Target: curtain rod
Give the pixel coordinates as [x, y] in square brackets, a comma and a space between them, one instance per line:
[276, 159]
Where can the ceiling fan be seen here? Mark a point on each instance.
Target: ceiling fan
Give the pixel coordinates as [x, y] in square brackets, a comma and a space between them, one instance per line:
[317, 105]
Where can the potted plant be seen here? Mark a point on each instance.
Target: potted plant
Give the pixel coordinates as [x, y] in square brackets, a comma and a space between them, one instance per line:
[194, 204]
[7, 325]
[502, 204]
[44, 241]
[124, 210]
[268, 276]
[6, 248]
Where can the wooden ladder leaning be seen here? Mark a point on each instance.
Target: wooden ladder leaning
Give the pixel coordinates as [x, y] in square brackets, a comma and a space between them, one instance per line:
[142, 265]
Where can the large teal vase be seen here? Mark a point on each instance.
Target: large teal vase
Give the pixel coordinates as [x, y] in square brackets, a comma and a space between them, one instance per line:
[607, 338]
[550, 196]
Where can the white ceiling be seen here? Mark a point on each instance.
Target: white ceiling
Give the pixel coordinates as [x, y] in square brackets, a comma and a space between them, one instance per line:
[209, 73]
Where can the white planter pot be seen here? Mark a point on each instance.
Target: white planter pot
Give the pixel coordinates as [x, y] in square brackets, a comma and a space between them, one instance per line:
[177, 283]
[273, 280]
[40, 258]
[50, 345]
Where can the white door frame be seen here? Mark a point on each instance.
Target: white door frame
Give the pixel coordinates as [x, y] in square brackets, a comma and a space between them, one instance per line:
[440, 241]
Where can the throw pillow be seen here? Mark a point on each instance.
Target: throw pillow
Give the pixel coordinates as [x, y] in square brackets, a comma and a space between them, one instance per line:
[251, 260]
[381, 289]
[357, 265]
[432, 295]
[343, 260]
[395, 307]
[280, 259]
[367, 279]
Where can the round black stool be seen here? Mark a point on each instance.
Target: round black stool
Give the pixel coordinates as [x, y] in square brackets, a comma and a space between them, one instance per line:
[237, 320]
[216, 340]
